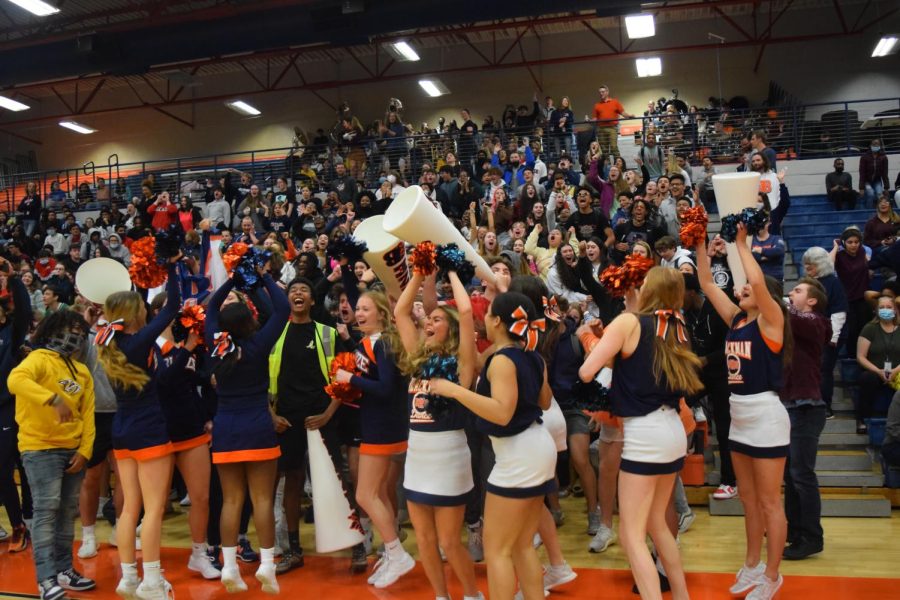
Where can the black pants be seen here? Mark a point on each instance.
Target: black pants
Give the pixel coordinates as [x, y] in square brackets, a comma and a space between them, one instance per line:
[858, 315]
[891, 453]
[9, 458]
[213, 536]
[482, 463]
[802, 502]
[871, 386]
[841, 197]
[718, 394]
[829, 360]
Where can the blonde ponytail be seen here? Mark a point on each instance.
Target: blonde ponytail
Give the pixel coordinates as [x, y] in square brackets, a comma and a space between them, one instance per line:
[121, 373]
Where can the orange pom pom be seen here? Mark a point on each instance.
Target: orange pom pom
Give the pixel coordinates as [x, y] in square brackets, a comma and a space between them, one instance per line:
[343, 391]
[618, 280]
[693, 226]
[422, 259]
[144, 270]
[233, 254]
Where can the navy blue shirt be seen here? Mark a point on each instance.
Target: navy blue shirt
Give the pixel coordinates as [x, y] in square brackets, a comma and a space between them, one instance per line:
[529, 379]
[562, 373]
[422, 417]
[635, 392]
[383, 417]
[753, 367]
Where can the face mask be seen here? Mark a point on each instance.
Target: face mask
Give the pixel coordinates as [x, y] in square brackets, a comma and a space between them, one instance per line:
[886, 314]
[876, 148]
[114, 245]
[51, 232]
[65, 344]
[44, 261]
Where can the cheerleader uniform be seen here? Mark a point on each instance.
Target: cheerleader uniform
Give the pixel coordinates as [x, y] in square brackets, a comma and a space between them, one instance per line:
[437, 444]
[655, 439]
[382, 408]
[525, 453]
[139, 428]
[181, 403]
[760, 425]
[242, 429]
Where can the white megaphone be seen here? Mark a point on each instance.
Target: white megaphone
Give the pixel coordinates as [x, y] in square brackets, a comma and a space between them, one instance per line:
[337, 524]
[99, 278]
[735, 192]
[386, 255]
[413, 218]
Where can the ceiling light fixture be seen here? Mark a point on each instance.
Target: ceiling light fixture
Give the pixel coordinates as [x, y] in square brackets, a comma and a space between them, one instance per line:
[77, 127]
[640, 26]
[404, 51]
[433, 87]
[244, 108]
[886, 45]
[648, 67]
[10, 104]
[36, 7]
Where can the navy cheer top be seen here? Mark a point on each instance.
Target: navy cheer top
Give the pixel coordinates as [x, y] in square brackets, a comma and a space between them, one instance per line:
[529, 379]
[754, 363]
[384, 388]
[423, 416]
[634, 391]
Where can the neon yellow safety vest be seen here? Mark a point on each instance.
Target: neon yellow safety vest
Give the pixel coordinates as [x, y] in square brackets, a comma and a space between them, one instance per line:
[325, 343]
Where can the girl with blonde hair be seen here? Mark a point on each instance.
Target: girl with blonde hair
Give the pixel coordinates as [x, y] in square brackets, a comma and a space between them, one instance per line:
[655, 440]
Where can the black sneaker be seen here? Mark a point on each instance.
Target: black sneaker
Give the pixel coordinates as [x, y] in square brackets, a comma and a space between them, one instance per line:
[50, 590]
[359, 561]
[829, 414]
[290, 560]
[802, 549]
[214, 554]
[245, 552]
[75, 581]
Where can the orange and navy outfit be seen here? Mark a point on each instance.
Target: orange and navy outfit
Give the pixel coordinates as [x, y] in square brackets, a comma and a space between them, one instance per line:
[383, 413]
[139, 429]
[185, 412]
[242, 429]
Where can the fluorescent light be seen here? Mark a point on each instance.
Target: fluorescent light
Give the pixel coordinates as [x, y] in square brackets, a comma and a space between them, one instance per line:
[640, 26]
[10, 104]
[244, 108]
[77, 127]
[886, 45]
[648, 67]
[405, 50]
[433, 87]
[36, 7]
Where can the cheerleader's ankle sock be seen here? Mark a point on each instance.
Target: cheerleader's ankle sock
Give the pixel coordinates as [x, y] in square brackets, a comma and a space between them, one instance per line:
[267, 556]
[229, 557]
[152, 575]
[198, 549]
[394, 549]
[129, 571]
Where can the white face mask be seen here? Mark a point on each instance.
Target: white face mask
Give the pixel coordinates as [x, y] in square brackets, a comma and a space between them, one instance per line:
[114, 244]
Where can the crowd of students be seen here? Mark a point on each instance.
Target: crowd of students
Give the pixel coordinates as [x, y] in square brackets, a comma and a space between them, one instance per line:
[231, 410]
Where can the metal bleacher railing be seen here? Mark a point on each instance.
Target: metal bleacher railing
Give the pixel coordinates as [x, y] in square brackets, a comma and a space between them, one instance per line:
[795, 132]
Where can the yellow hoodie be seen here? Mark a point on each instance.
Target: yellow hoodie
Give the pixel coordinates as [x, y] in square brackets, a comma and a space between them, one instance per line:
[41, 376]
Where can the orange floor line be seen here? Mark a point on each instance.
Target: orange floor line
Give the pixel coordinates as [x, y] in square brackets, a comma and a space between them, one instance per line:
[329, 578]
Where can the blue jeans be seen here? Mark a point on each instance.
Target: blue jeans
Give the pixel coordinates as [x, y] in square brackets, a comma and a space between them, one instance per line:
[802, 502]
[55, 494]
[872, 193]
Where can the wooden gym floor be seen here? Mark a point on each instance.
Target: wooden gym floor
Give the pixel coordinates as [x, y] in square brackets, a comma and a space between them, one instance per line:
[860, 560]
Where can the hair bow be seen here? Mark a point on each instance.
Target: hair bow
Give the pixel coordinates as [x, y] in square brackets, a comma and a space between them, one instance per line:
[551, 308]
[106, 331]
[663, 317]
[223, 345]
[522, 327]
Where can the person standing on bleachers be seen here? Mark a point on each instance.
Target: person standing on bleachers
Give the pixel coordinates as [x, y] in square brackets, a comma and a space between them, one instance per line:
[839, 186]
[758, 143]
[606, 118]
[878, 354]
[873, 173]
[218, 211]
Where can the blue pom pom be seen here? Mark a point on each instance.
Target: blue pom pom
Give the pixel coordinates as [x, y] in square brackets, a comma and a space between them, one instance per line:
[347, 247]
[245, 273]
[729, 227]
[450, 258]
[439, 367]
[591, 396]
[754, 219]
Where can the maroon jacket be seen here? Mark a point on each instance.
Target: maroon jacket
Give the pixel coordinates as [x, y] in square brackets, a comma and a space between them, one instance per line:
[873, 167]
[803, 378]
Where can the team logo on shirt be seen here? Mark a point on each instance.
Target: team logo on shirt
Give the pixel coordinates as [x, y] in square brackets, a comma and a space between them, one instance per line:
[70, 386]
[734, 352]
[419, 410]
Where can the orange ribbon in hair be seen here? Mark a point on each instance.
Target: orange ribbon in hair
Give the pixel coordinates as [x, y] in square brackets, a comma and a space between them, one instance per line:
[522, 327]
[663, 319]
[106, 331]
[551, 308]
[223, 345]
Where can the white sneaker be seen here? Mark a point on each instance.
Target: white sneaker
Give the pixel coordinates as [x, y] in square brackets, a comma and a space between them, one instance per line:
[685, 521]
[201, 564]
[520, 596]
[476, 542]
[559, 575]
[605, 536]
[112, 538]
[380, 564]
[127, 588]
[161, 591]
[231, 579]
[265, 574]
[725, 492]
[593, 522]
[186, 501]
[766, 589]
[394, 570]
[699, 415]
[747, 578]
[88, 547]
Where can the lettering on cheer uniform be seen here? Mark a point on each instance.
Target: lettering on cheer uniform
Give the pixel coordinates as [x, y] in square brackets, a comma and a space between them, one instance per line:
[734, 352]
[419, 411]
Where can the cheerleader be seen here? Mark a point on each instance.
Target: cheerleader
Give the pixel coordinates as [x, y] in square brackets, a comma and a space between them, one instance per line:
[510, 396]
[188, 425]
[759, 439]
[244, 444]
[141, 443]
[384, 429]
[437, 437]
[655, 441]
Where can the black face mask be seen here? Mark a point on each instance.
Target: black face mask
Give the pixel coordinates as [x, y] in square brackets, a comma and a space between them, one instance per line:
[515, 163]
[65, 344]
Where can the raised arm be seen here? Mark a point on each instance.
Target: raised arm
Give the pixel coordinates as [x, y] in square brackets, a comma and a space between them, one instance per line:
[406, 325]
[140, 344]
[720, 301]
[212, 312]
[610, 345]
[268, 334]
[770, 310]
[467, 351]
